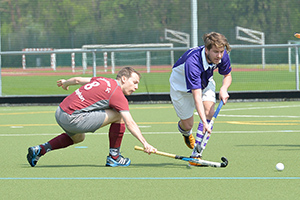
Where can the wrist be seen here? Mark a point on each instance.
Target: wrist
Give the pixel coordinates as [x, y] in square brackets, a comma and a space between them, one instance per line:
[223, 88]
[205, 123]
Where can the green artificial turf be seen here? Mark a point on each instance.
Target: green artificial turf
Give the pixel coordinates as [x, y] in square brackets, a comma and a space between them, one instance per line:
[254, 136]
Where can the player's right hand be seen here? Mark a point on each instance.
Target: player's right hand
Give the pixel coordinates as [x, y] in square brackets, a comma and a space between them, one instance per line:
[206, 128]
[149, 149]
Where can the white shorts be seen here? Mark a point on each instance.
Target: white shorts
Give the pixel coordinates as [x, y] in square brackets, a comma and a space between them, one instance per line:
[184, 103]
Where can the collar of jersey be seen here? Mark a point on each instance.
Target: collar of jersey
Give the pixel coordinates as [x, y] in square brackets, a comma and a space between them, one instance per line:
[118, 82]
[205, 63]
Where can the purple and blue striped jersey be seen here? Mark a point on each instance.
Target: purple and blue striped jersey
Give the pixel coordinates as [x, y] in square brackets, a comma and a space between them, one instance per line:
[192, 70]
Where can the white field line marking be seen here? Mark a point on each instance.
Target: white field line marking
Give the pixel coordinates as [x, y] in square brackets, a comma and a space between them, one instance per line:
[26, 125]
[263, 116]
[256, 108]
[23, 125]
[257, 116]
[152, 133]
[149, 178]
[26, 112]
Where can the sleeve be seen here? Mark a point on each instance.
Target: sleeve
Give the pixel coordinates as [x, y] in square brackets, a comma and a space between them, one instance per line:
[94, 78]
[118, 101]
[193, 72]
[225, 65]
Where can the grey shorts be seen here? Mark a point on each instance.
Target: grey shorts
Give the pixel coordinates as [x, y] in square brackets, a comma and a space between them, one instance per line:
[80, 122]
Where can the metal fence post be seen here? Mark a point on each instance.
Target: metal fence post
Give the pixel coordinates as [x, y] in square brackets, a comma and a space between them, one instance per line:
[297, 67]
[94, 64]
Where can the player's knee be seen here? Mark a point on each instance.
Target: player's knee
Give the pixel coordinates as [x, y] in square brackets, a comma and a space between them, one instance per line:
[209, 114]
[112, 117]
[118, 119]
[78, 138]
[185, 125]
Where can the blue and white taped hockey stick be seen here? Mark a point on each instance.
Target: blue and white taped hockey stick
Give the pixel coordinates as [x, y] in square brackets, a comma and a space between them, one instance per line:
[204, 140]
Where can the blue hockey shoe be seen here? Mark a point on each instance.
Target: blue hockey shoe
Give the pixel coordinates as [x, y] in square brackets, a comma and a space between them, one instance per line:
[33, 155]
[120, 161]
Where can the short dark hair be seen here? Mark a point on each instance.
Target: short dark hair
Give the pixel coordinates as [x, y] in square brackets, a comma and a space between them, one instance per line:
[127, 71]
[216, 39]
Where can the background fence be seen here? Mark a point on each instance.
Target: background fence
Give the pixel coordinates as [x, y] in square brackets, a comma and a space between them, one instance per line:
[70, 25]
[276, 74]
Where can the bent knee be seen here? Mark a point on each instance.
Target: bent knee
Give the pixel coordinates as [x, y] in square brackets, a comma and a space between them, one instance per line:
[78, 138]
[186, 125]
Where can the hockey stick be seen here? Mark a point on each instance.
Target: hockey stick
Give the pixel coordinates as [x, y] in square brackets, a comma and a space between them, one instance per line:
[224, 162]
[204, 140]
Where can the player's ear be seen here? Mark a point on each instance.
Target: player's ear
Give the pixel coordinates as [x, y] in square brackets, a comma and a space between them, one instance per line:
[206, 50]
[123, 79]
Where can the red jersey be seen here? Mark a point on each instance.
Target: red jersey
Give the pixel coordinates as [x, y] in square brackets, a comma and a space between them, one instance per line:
[99, 94]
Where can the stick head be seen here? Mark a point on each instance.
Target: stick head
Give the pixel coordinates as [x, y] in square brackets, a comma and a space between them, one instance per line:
[297, 35]
[225, 162]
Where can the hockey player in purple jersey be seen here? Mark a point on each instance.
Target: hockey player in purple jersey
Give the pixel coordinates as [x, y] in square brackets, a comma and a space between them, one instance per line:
[192, 86]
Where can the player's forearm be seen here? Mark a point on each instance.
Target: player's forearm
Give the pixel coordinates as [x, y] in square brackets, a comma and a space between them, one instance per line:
[226, 81]
[201, 113]
[136, 132]
[77, 81]
[197, 94]
[223, 95]
[132, 126]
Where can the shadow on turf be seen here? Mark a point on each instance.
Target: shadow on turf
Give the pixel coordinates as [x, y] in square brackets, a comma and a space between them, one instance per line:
[63, 166]
[158, 165]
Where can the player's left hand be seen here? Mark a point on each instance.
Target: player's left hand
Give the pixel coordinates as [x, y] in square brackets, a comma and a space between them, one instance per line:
[60, 83]
[223, 95]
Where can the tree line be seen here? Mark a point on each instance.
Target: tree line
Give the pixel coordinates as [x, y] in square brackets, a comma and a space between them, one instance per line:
[73, 23]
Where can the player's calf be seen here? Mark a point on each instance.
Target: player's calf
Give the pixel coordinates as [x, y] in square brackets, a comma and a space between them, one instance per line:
[187, 136]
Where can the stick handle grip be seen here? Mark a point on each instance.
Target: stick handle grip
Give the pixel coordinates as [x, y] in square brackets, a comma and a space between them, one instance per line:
[157, 152]
[138, 148]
